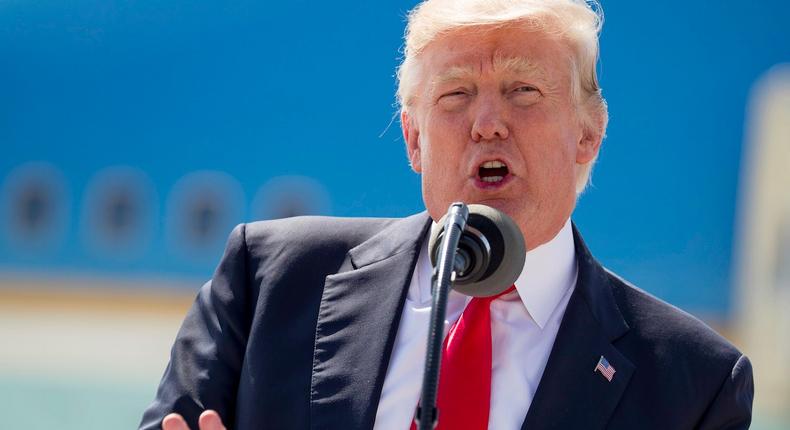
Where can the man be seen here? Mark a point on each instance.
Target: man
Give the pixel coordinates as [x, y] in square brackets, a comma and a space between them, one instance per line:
[321, 323]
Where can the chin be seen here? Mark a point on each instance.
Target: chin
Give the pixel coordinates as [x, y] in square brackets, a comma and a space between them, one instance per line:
[515, 210]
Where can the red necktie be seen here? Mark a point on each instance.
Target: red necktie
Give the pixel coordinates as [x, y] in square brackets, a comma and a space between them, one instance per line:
[464, 396]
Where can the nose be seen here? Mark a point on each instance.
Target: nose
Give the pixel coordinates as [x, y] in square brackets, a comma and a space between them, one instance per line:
[489, 123]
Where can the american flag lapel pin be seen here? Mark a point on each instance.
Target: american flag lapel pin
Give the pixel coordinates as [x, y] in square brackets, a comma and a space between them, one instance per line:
[606, 369]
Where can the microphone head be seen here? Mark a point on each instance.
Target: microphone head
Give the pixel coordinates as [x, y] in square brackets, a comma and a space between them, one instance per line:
[493, 247]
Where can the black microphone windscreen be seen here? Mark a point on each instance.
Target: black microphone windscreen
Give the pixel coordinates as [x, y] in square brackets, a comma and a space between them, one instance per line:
[494, 243]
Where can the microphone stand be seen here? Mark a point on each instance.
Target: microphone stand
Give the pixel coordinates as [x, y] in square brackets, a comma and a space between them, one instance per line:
[427, 415]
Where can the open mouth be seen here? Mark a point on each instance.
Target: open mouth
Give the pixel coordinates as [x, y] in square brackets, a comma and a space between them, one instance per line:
[492, 172]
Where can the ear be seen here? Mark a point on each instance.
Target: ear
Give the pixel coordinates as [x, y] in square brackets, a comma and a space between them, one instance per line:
[411, 135]
[589, 144]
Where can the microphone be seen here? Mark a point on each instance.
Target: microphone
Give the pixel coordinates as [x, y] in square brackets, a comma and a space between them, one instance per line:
[491, 251]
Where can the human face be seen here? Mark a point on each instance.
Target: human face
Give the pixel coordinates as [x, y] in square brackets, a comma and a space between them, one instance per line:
[504, 96]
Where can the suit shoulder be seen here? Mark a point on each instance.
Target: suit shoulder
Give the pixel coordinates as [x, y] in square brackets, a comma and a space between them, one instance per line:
[322, 228]
[670, 331]
[310, 235]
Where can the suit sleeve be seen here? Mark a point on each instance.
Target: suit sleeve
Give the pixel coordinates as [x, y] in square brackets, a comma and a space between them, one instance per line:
[205, 361]
[732, 407]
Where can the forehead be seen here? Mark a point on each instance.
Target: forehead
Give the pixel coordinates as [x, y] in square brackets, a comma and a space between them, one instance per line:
[513, 48]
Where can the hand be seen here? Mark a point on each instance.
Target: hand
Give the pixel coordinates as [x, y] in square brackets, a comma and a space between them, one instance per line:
[209, 420]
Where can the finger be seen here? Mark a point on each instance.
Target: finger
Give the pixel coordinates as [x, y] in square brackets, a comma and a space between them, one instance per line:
[174, 422]
[210, 420]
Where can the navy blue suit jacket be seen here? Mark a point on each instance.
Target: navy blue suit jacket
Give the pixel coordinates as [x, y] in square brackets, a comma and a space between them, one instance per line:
[296, 328]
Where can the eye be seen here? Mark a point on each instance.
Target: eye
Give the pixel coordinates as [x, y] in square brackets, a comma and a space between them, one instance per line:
[454, 99]
[525, 95]
[525, 89]
[454, 93]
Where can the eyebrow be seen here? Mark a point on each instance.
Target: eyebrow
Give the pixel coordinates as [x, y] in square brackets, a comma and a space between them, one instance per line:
[515, 65]
[453, 73]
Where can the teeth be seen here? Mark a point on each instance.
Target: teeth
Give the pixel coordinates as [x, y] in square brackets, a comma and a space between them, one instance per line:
[493, 164]
[491, 178]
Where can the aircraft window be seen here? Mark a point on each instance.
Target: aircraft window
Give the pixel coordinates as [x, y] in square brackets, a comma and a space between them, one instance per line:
[119, 211]
[287, 196]
[35, 206]
[202, 209]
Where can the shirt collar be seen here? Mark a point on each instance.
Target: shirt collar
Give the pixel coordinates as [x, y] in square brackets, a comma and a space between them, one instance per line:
[549, 271]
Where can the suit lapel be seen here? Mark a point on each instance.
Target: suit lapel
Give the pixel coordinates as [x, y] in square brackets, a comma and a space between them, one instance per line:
[571, 394]
[358, 318]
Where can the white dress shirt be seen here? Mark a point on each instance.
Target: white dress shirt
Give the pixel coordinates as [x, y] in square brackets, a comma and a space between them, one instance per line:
[524, 324]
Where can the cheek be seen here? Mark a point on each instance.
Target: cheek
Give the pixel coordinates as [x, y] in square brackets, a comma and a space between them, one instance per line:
[442, 145]
[438, 163]
[448, 128]
[548, 144]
